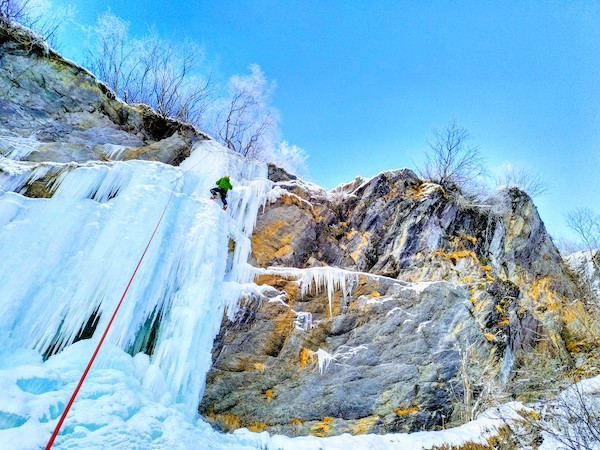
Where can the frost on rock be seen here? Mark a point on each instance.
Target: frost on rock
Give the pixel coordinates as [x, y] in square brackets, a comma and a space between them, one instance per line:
[303, 321]
[342, 354]
[15, 175]
[18, 147]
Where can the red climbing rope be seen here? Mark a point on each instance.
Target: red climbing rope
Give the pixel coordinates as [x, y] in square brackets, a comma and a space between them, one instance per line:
[89, 366]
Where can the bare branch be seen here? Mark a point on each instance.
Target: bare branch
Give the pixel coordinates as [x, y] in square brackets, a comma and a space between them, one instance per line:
[586, 225]
[450, 161]
[46, 21]
[530, 182]
[245, 122]
[15, 11]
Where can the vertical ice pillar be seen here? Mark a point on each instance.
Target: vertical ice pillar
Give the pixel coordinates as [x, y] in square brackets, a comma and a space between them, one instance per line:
[68, 259]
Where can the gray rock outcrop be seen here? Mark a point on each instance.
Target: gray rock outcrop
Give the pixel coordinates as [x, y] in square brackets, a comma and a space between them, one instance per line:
[53, 110]
[455, 305]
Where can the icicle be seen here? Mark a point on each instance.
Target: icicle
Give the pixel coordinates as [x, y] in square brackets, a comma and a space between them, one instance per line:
[19, 147]
[324, 360]
[303, 321]
[14, 175]
[343, 353]
[317, 279]
[91, 234]
[328, 278]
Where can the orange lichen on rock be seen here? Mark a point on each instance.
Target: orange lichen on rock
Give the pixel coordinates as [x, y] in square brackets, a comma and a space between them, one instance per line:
[460, 254]
[257, 427]
[407, 411]
[279, 282]
[306, 356]
[455, 256]
[569, 315]
[272, 242]
[282, 325]
[227, 422]
[439, 252]
[363, 244]
[391, 194]
[470, 238]
[363, 426]
[322, 428]
[578, 346]
[292, 199]
[541, 290]
[422, 189]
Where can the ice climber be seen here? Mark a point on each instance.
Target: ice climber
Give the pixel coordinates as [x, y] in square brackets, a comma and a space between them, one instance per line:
[223, 185]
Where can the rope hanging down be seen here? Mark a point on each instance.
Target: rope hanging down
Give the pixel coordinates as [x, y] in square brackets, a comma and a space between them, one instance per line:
[89, 366]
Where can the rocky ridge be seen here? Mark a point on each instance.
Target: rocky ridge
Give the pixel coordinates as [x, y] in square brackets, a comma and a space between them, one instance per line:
[388, 304]
[448, 307]
[54, 110]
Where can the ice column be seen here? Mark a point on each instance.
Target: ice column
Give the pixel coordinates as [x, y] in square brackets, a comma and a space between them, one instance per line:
[66, 260]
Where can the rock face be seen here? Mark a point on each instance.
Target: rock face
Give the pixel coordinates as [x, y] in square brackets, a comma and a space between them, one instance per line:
[448, 307]
[54, 110]
[385, 305]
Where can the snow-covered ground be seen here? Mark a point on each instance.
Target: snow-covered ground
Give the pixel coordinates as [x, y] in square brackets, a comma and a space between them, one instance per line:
[115, 411]
[69, 258]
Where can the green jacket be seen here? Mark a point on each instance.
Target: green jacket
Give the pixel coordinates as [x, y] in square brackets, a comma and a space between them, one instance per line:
[224, 183]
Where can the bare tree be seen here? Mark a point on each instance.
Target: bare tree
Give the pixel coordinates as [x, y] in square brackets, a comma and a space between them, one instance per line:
[14, 11]
[151, 70]
[245, 121]
[531, 182]
[39, 15]
[166, 76]
[567, 246]
[573, 419]
[174, 80]
[477, 386]
[289, 157]
[569, 421]
[586, 225]
[110, 58]
[450, 160]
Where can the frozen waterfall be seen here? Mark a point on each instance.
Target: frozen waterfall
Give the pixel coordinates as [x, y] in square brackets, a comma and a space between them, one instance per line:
[67, 259]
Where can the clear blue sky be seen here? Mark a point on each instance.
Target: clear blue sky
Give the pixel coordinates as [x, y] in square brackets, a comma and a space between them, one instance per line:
[361, 84]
